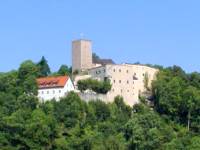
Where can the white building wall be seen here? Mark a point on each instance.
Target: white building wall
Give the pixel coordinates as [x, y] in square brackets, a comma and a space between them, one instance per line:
[122, 80]
[55, 93]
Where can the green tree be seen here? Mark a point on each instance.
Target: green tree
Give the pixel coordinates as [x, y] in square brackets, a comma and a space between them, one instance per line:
[43, 66]
[27, 75]
[191, 101]
[64, 70]
[195, 143]
[27, 68]
[40, 130]
[70, 110]
[101, 110]
[97, 86]
[146, 130]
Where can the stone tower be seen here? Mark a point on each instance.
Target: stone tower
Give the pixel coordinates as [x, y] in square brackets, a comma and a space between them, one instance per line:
[81, 55]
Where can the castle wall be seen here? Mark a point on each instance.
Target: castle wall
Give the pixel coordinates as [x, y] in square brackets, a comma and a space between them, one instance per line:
[127, 80]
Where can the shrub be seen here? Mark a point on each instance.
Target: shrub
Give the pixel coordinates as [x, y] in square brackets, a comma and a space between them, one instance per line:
[97, 86]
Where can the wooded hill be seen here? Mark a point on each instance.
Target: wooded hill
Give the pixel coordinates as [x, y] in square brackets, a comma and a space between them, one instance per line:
[172, 123]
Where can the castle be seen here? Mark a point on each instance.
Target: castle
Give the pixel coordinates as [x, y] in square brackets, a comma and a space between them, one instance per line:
[128, 80]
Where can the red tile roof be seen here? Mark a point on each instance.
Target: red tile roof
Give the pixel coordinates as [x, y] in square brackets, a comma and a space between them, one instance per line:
[52, 82]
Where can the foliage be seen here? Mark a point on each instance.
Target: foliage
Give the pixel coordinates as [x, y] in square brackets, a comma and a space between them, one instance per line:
[64, 70]
[177, 96]
[71, 124]
[97, 86]
[43, 66]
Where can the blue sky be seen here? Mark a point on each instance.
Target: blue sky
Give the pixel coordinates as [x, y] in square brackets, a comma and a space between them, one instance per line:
[163, 32]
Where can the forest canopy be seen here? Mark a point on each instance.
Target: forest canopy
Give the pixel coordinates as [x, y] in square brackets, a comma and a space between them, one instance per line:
[173, 122]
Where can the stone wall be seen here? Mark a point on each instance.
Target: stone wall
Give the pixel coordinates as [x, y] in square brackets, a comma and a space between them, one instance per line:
[93, 96]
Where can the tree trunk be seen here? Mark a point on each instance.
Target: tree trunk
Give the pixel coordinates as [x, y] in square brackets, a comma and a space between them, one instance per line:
[188, 126]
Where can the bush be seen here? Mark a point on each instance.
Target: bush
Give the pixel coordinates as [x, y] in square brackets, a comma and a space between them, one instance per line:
[97, 86]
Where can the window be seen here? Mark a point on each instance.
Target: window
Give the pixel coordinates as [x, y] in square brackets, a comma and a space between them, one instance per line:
[120, 81]
[104, 70]
[98, 72]
[126, 71]
[127, 82]
[53, 92]
[121, 90]
[59, 91]
[127, 90]
[47, 92]
[113, 70]
[113, 90]
[135, 78]
[105, 78]
[42, 92]
[120, 70]
[113, 81]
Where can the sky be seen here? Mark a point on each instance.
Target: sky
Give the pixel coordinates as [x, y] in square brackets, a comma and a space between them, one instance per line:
[159, 32]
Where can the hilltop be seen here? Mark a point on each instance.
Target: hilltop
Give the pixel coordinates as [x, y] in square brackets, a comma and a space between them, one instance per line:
[172, 122]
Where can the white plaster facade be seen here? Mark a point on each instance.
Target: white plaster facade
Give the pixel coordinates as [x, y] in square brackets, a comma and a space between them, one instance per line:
[127, 80]
[49, 93]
